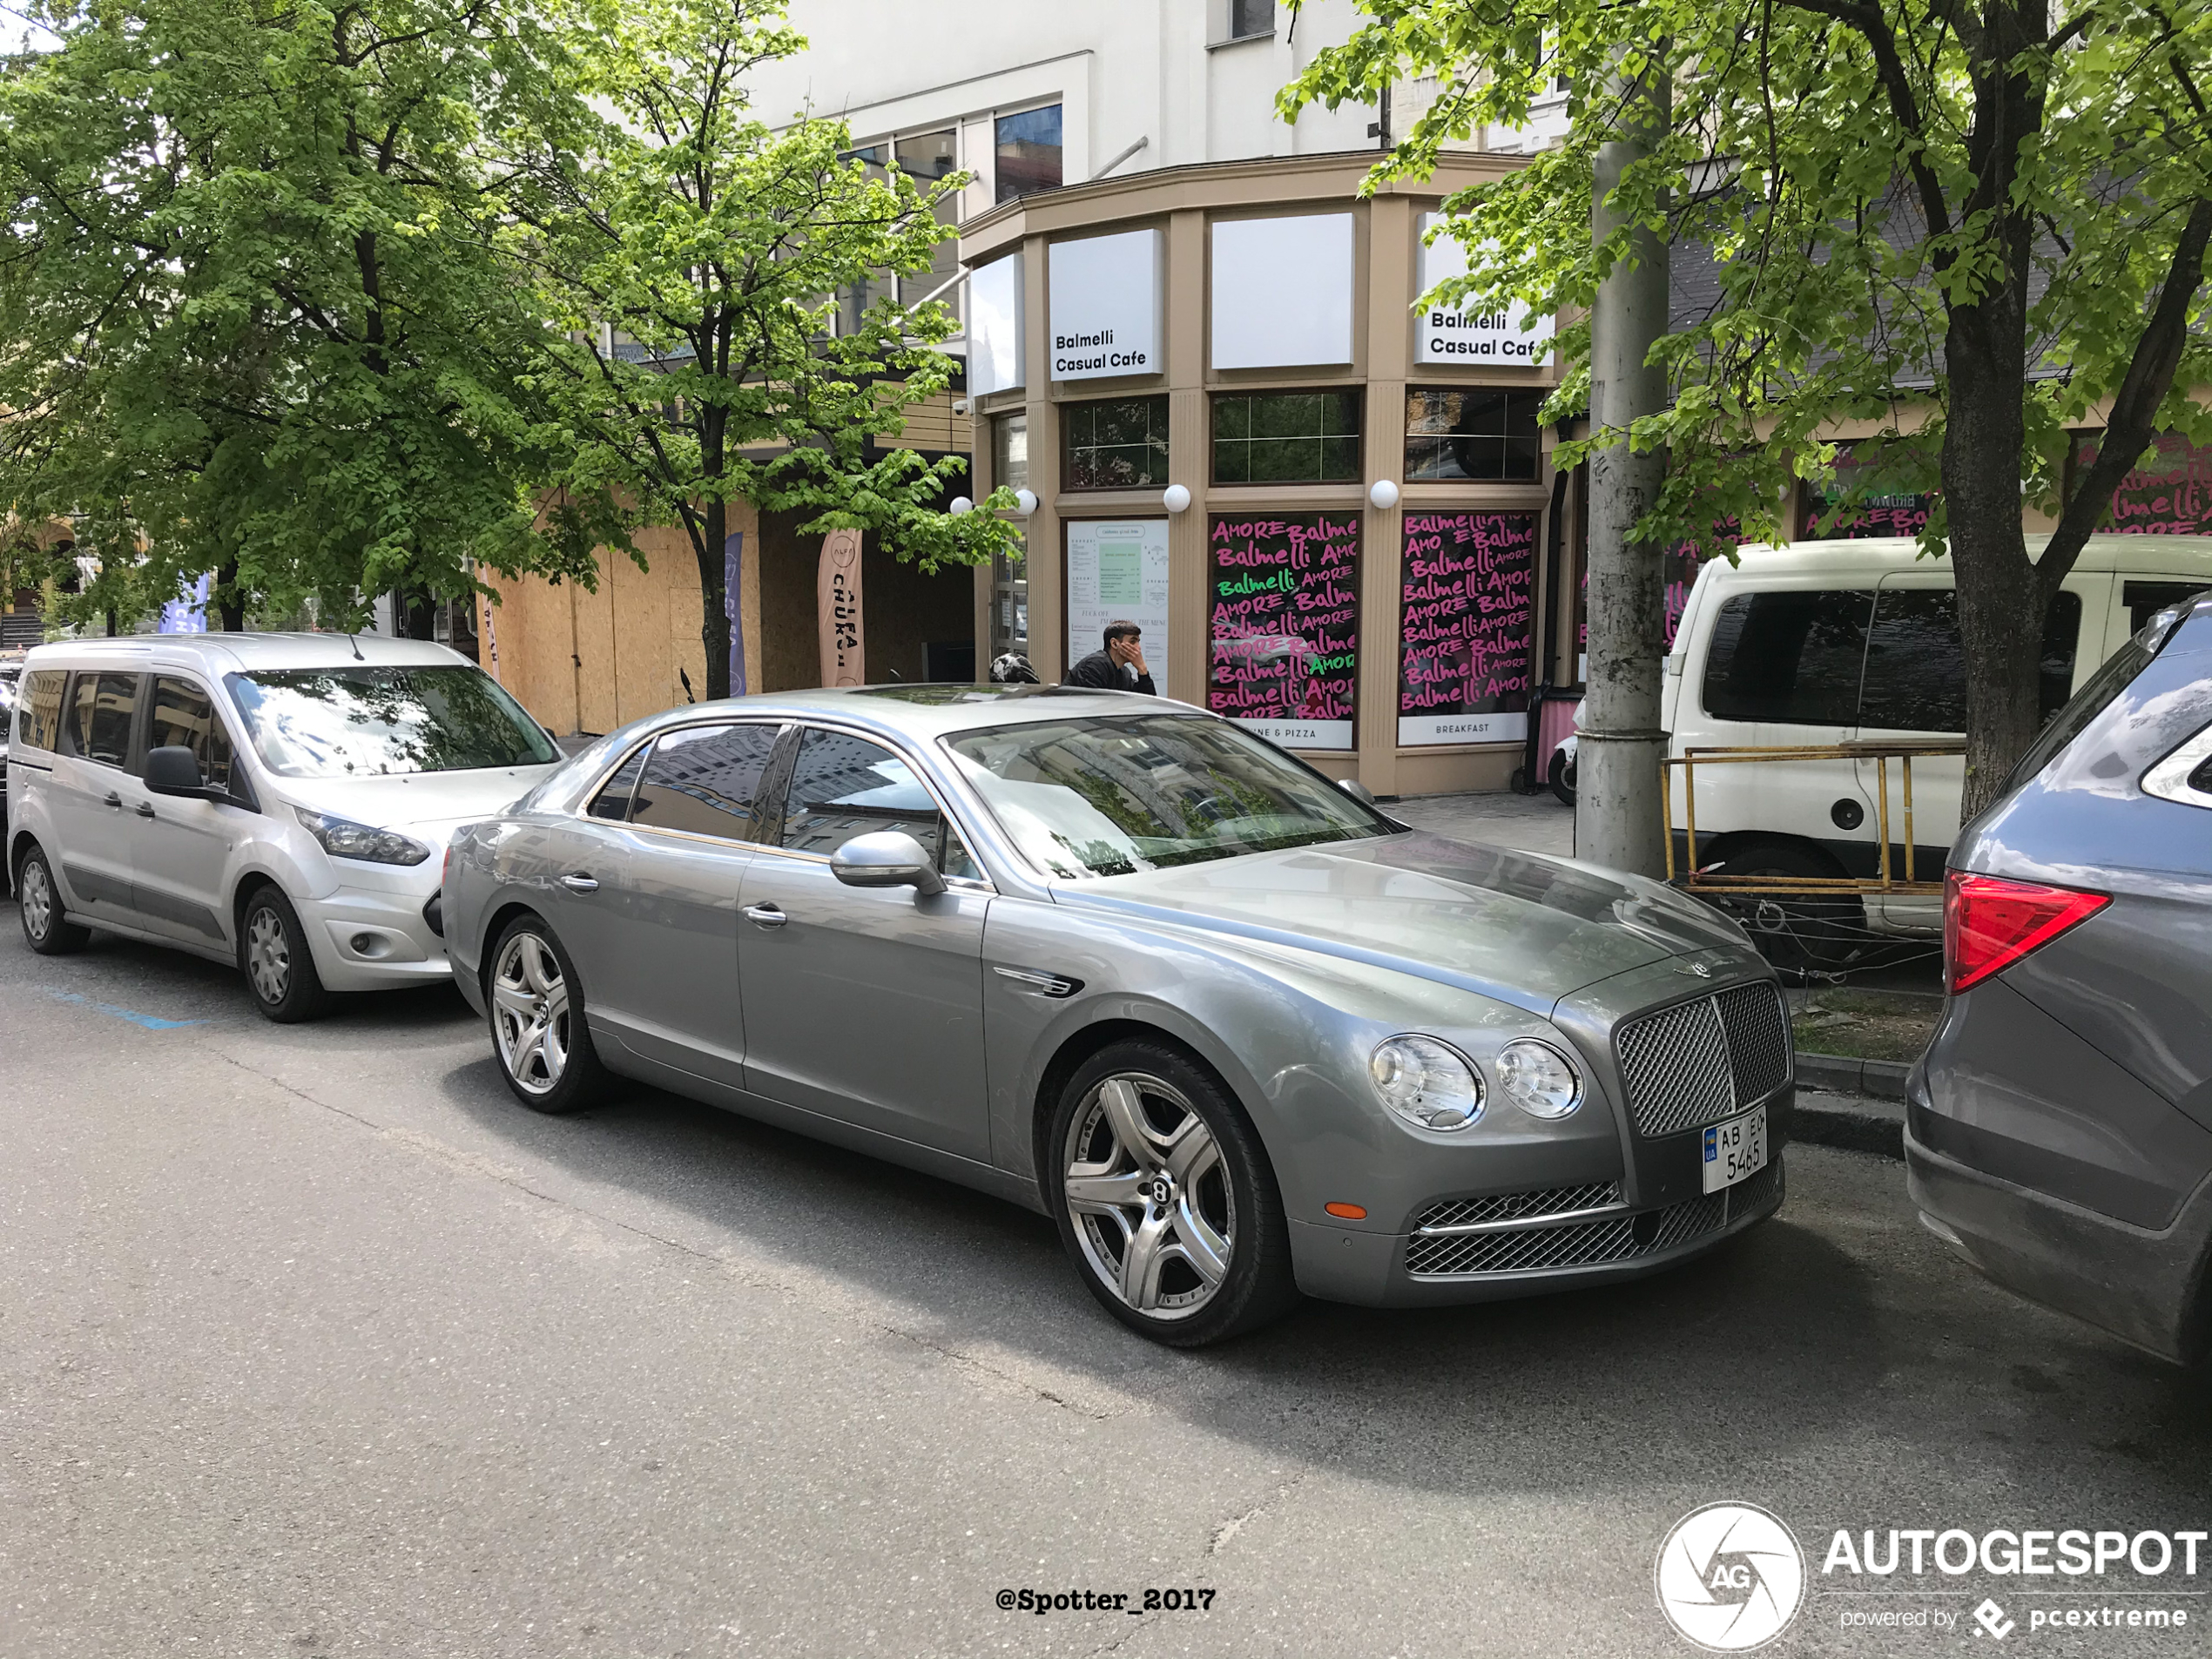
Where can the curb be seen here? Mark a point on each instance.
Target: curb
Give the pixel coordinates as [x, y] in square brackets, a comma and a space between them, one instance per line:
[1881, 1079]
[1854, 1123]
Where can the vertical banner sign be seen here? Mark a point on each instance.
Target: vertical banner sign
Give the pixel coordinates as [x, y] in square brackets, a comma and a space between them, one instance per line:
[1282, 625]
[187, 613]
[491, 636]
[1468, 606]
[1118, 571]
[733, 606]
[836, 600]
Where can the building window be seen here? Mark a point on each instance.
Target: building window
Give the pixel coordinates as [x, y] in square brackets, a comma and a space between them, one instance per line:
[1115, 444]
[1286, 438]
[1481, 434]
[1251, 18]
[1010, 573]
[1029, 152]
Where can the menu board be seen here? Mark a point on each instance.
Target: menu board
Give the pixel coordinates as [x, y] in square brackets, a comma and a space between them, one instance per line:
[2169, 494]
[1282, 625]
[1465, 627]
[1118, 571]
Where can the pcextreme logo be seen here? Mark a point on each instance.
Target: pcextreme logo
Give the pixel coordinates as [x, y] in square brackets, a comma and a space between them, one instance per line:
[1729, 1577]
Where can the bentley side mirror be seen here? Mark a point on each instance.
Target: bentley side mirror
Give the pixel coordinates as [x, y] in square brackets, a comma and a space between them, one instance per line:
[1356, 789]
[886, 858]
[174, 769]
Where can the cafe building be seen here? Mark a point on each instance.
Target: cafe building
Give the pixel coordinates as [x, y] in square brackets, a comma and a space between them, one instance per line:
[1334, 516]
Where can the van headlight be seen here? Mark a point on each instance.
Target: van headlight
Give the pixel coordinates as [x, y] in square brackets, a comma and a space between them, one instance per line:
[1429, 1085]
[343, 838]
[1538, 1079]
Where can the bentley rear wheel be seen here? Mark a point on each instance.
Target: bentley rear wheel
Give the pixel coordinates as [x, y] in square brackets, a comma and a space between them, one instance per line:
[537, 1028]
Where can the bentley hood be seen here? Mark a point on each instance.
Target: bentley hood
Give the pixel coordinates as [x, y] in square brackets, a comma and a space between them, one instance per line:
[1521, 927]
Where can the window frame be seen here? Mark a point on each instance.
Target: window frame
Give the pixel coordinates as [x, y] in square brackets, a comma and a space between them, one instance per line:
[21, 713]
[134, 746]
[1067, 446]
[629, 819]
[1217, 396]
[775, 783]
[1536, 394]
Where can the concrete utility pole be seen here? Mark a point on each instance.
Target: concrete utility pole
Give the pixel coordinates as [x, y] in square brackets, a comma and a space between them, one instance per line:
[1616, 790]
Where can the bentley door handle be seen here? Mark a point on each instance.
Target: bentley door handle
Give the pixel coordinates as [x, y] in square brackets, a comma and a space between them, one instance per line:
[766, 915]
[146, 809]
[580, 883]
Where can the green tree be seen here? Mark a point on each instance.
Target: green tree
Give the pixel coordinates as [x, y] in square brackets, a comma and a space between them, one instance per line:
[696, 259]
[1980, 223]
[252, 316]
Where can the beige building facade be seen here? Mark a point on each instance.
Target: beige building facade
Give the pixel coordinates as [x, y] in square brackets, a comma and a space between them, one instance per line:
[1357, 509]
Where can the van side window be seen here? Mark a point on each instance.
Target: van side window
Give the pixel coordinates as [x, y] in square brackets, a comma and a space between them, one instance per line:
[39, 725]
[100, 716]
[184, 717]
[1916, 663]
[2146, 599]
[1791, 656]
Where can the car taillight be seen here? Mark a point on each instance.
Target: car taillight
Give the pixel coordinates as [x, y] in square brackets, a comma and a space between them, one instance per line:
[446, 869]
[1990, 922]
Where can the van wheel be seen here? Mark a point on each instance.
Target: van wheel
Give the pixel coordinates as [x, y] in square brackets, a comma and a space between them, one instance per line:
[1563, 777]
[1799, 934]
[272, 953]
[46, 926]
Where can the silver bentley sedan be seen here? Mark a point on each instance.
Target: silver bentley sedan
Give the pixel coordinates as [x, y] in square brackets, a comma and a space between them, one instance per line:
[1238, 1033]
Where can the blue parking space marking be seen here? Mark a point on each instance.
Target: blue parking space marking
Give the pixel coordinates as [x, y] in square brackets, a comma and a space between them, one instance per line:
[150, 1022]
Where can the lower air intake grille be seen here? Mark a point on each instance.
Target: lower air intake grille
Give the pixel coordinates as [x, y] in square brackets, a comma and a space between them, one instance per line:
[1590, 1243]
[1515, 1206]
[1698, 1062]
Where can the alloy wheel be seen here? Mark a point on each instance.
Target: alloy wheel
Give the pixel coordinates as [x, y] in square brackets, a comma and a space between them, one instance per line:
[531, 1013]
[268, 955]
[1149, 1197]
[37, 899]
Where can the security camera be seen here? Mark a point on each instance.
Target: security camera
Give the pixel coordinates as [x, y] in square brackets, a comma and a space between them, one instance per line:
[960, 406]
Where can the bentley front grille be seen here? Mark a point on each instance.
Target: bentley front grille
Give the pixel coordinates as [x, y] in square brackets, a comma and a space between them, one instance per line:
[1698, 1062]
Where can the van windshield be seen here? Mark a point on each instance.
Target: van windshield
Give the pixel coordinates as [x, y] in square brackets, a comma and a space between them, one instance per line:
[374, 722]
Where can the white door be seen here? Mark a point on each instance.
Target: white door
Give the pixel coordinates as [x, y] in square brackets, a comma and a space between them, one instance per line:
[95, 800]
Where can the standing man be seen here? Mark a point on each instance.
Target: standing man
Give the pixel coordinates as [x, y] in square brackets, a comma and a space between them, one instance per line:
[1120, 667]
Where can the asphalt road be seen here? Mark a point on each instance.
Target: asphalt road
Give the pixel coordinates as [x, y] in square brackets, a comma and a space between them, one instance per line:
[312, 1341]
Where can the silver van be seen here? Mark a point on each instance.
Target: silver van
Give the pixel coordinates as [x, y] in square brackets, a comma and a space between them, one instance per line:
[281, 801]
[1823, 643]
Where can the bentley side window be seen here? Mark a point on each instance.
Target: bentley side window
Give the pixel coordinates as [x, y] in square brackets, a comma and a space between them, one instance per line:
[703, 780]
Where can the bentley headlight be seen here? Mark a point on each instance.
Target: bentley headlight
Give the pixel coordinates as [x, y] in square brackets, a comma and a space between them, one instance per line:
[1426, 1083]
[343, 838]
[1538, 1079]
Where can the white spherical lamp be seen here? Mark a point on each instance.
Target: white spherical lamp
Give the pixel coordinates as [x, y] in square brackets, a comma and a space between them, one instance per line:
[1174, 498]
[1025, 502]
[1383, 494]
[962, 506]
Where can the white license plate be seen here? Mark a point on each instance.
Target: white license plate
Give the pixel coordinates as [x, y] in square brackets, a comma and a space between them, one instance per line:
[1735, 1150]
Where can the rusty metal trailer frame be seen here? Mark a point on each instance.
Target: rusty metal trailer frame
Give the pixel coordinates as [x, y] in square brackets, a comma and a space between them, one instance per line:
[1881, 753]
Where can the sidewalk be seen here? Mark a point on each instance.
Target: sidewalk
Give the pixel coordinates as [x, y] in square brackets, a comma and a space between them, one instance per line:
[1845, 1101]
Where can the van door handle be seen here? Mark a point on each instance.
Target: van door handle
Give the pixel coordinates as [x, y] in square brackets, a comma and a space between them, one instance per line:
[146, 809]
[766, 915]
[580, 883]
[114, 799]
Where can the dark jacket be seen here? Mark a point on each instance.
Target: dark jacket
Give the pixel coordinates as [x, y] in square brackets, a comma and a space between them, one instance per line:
[1102, 673]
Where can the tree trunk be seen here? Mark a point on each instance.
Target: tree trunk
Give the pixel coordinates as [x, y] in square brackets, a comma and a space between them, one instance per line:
[714, 611]
[230, 604]
[1617, 820]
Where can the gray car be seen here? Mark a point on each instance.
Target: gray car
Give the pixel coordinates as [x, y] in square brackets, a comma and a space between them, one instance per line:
[2059, 1131]
[1238, 1033]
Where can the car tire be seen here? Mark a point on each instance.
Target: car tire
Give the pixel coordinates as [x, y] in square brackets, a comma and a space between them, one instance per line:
[1799, 936]
[535, 1005]
[46, 926]
[1197, 1181]
[272, 953]
[1563, 777]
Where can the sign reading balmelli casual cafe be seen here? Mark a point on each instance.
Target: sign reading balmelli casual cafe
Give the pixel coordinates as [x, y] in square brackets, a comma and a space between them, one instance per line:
[1468, 334]
[1104, 309]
